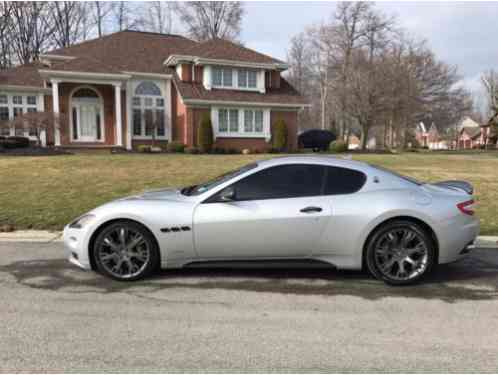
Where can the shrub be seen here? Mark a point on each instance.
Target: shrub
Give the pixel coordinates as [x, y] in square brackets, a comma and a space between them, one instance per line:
[144, 148]
[232, 151]
[218, 150]
[175, 147]
[192, 150]
[279, 139]
[338, 146]
[15, 142]
[205, 134]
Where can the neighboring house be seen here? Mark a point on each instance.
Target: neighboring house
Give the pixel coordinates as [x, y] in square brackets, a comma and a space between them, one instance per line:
[429, 138]
[472, 135]
[354, 143]
[116, 90]
[469, 137]
[467, 122]
[488, 136]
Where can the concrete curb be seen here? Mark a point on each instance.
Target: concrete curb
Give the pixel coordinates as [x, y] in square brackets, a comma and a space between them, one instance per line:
[489, 242]
[31, 236]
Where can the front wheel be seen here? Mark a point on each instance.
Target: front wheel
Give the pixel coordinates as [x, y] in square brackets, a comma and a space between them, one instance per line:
[125, 251]
[400, 253]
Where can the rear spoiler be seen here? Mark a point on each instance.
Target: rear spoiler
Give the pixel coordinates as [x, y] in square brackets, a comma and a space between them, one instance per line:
[457, 185]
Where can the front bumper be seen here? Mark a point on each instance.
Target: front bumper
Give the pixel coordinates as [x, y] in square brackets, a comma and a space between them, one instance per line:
[76, 247]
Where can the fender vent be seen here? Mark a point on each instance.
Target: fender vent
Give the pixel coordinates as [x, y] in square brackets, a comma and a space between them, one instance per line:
[176, 229]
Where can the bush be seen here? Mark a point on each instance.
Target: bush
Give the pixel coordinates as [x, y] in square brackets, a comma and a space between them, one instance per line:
[338, 146]
[192, 150]
[15, 142]
[232, 151]
[175, 147]
[205, 135]
[218, 150]
[279, 139]
[144, 148]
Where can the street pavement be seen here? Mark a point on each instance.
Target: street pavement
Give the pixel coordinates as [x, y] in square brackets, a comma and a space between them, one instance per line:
[55, 317]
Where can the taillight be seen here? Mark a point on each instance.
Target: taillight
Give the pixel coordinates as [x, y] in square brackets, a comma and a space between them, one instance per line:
[466, 207]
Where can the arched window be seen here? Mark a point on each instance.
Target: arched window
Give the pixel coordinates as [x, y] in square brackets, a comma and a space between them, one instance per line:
[148, 111]
[148, 88]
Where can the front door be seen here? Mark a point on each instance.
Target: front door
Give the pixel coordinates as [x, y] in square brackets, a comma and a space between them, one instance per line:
[277, 212]
[86, 120]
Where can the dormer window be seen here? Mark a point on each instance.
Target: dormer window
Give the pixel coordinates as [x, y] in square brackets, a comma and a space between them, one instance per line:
[222, 76]
[247, 78]
[235, 78]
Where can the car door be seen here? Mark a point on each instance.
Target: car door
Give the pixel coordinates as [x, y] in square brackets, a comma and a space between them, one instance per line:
[343, 189]
[276, 212]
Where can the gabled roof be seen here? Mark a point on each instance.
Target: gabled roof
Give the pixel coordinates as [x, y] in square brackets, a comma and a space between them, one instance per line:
[472, 131]
[220, 49]
[128, 50]
[86, 64]
[142, 52]
[421, 127]
[24, 75]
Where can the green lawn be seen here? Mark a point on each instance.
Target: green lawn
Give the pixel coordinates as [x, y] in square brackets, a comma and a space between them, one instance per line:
[47, 192]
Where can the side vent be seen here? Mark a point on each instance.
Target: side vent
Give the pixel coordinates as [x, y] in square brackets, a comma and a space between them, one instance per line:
[176, 229]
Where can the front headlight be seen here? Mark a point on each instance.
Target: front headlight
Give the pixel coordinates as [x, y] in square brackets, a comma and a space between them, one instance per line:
[82, 221]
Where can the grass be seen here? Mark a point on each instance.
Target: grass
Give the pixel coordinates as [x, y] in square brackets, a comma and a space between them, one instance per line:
[47, 192]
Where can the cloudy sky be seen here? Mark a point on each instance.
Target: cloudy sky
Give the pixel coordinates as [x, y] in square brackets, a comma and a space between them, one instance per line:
[461, 33]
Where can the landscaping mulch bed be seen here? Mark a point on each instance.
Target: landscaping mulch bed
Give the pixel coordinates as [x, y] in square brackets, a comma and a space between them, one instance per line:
[33, 151]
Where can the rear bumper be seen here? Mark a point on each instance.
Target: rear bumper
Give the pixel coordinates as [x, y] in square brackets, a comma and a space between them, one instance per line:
[457, 237]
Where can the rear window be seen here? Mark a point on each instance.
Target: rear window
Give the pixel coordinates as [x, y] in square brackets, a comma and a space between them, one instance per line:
[343, 181]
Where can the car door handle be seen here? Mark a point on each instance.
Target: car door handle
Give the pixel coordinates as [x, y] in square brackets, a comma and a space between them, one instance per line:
[311, 209]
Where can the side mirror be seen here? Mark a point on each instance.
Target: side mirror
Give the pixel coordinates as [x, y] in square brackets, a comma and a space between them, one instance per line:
[227, 195]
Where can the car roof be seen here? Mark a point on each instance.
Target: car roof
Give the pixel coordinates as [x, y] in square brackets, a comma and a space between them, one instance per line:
[314, 159]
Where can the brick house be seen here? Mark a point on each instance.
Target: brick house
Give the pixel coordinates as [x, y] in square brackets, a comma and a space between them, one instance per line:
[429, 138]
[116, 90]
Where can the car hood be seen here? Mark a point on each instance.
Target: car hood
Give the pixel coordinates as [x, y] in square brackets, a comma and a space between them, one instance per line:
[162, 194]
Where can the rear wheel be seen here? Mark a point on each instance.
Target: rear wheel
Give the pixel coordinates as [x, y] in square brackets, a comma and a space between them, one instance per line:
[126, 250]
[400, 253]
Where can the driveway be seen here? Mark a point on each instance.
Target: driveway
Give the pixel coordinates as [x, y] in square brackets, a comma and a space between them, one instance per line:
[55, 317]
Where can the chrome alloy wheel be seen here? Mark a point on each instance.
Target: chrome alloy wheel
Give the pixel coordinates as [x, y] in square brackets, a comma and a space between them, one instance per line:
[123, 252]
[401, 254]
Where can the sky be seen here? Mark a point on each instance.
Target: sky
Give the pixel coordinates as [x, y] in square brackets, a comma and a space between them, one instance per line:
[460, 33]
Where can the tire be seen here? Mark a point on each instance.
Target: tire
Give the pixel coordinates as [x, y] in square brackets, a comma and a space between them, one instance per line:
[400, 253]
[126, 251]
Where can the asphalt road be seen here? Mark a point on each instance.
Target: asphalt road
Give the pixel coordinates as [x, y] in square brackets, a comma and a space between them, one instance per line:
[54, 317]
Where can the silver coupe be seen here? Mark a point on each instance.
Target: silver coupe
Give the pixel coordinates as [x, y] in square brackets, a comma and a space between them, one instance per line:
[315, 210]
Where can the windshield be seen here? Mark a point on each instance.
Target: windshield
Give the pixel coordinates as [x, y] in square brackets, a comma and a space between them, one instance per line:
[202, 188]
[406, 178]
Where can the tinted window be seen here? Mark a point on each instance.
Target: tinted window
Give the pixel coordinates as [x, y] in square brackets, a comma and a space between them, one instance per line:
[285, 181]
[343, 181]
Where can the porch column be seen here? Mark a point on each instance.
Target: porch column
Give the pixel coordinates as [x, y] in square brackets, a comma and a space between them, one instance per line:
[55, 102]
[117, 108]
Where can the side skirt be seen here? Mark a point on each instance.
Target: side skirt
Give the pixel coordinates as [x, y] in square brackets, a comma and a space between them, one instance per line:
[258, 264]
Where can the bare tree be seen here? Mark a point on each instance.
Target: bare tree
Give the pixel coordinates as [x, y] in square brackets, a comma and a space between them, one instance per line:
[100, 12]
[5, 37]
[489, 81]
[211, 19]
[123, 16]
[300, 75]
[38, 124]
[156, 17]
[70, 22]
[29, 29]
